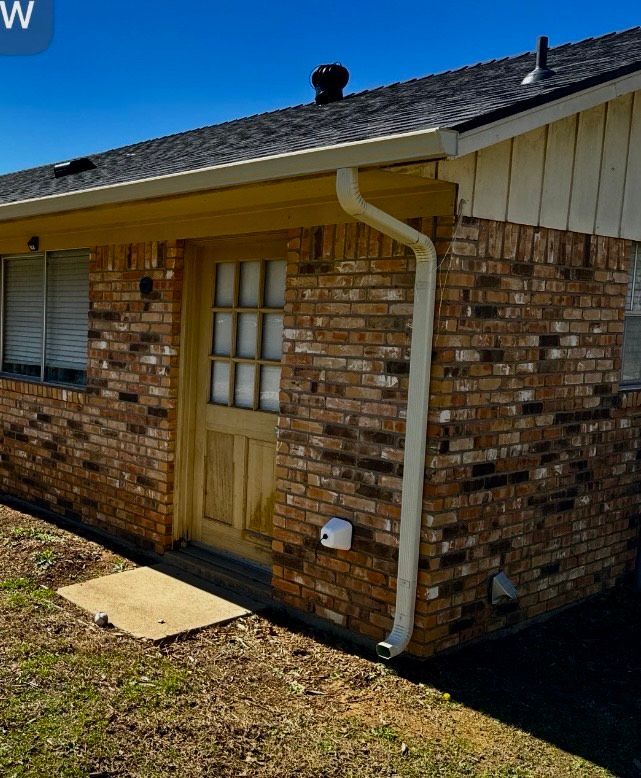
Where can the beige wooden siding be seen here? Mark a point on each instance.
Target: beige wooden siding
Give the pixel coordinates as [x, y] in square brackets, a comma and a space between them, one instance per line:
[582, 173]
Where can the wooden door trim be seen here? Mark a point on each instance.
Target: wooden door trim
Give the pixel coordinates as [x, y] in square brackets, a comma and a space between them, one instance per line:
[187, 395]
[237, 248]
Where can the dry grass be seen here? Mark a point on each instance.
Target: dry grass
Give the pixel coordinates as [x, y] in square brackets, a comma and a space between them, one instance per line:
[265, 697]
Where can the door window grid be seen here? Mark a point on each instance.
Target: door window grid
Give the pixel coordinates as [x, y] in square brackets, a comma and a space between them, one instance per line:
[247, 314]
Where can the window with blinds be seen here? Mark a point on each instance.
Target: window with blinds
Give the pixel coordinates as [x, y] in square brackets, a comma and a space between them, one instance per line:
[43, 322]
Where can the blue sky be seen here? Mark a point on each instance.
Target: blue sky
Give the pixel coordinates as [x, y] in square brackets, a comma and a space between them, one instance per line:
[126, 70]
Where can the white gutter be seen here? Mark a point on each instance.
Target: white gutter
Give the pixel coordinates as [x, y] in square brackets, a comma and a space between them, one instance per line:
[420, 145]
[352, 201]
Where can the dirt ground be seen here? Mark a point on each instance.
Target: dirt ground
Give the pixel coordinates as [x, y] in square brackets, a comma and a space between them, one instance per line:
[267, 697]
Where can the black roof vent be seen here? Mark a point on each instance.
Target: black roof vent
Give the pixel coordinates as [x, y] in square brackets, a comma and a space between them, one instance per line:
[329, 82]
[72, 167]
[541, 71]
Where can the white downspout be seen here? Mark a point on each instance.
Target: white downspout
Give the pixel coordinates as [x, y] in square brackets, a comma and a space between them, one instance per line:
[352, 201]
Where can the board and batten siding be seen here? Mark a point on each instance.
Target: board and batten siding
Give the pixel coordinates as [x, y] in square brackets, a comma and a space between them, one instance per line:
[582, 173]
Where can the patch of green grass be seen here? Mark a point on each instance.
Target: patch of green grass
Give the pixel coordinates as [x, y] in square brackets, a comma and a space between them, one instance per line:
[14, 584]
[119, 566]
[583, 767]
[296, 688]
[327, 746]
[21, 593]
[36, 598]
[45, 559]
[52, 729]
[69, 664]
[384, 732]
[29, 533]
[354, 745]
[40, 665]
[56, 716]
[151, 687]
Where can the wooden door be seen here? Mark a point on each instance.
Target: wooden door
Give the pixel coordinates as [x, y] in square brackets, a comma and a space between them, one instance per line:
[241, 324]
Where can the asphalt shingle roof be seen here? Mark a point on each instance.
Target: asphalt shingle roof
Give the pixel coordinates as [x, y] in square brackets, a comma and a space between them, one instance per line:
[457, 99]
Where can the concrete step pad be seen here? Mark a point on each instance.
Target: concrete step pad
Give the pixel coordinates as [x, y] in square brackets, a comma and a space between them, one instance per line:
[158, 602]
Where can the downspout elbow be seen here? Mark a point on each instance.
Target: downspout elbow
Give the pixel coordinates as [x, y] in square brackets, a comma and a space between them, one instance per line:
[353, 203]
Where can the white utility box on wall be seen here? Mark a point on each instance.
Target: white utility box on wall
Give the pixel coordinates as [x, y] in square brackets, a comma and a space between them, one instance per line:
[337, 533]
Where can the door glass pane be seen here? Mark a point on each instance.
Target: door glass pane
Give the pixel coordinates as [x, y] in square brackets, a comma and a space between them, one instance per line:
[249, 284]
[225, 272]
[222, 334]
[244, 394]
[269, 388]
[220, 383]
[247, 332]
[275, 284]
[272, 336]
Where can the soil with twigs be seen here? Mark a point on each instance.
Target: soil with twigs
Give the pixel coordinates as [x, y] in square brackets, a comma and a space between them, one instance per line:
[265, 696]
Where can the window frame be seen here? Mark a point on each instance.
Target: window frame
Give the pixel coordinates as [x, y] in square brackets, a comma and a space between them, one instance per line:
[42, 380]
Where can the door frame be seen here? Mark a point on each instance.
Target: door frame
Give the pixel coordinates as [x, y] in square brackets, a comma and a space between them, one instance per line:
[198, 252]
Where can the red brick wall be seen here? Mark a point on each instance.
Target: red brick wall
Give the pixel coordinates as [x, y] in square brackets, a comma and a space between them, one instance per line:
[106, 455]
[532, 450]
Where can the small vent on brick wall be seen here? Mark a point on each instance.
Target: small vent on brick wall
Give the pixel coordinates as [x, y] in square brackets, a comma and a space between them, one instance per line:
[72, 167]
[502, 590]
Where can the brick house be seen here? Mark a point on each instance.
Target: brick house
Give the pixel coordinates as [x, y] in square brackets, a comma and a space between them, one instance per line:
[244, 373]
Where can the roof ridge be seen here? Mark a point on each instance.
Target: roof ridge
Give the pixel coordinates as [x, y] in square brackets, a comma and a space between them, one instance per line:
[495, 60]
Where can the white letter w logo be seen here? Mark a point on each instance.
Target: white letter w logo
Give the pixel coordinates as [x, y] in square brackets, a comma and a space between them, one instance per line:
[16, 10]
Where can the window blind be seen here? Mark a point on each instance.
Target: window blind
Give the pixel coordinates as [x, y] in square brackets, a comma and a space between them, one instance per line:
[67, 313]
[23, 315]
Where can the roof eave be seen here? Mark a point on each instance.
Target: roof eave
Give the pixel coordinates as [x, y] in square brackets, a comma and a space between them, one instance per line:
[432, 143]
